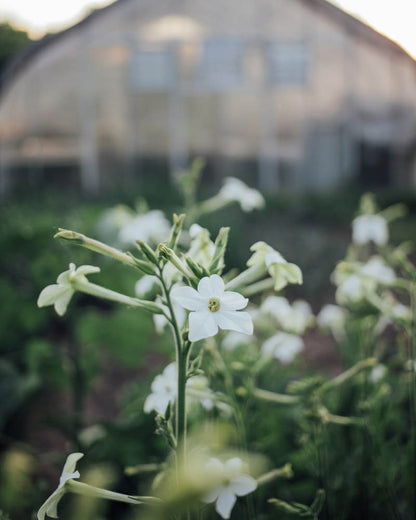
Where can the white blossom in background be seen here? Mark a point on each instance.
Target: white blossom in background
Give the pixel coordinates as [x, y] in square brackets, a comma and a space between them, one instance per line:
[50, 506]
[378, 372]
[280, 270]
[282, 346]
[234, 483]
[332, 317]
[161, 322]
[212, 308]
[295, 318]
[164, 390]
[60, 294]
[358, 280]
[235, 339]
[146, 285]
[202, 248]
[370, 228]
[236, 190]
[151, 227]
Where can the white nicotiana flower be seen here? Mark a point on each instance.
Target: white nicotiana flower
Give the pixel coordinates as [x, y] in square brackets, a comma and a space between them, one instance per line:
[236, 190]
[279, 269]
[234, 483]
[165, 390]
[150, 227]
[50, 506]
[367, 228]
[283, 346]
[360, 279]
[332, 317]
[293, 318]
[212, 308]
[60, 294]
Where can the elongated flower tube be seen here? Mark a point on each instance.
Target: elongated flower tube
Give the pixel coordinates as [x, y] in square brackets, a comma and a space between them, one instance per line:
[212, 308]
[67, 484]
[60, 294]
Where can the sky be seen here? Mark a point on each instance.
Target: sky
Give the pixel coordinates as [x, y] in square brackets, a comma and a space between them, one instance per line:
[395, 18]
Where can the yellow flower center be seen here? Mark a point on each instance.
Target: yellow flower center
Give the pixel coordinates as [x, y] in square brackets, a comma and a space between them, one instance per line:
[214, 305]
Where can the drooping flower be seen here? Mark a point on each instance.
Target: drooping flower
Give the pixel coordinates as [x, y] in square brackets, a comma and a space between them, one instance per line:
[60, 294]
[279, 269]
[283, 346]
[150, 227]
[50, 506]
[212, 308]
[293, 318]
[234, 484]
[370, 228]
[236, 190]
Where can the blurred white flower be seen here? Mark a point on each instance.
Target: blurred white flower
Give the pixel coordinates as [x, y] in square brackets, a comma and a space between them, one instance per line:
[165, 390]
[282, 346]
[50, 506]
[151, 227]
[367, 228]
[279, 269]
[161, 322]
[332, 317]
[356, 280]
[293, 318]
[202, 248]
[234, 339]
[213, 308]
[234, 483]
[377, 373]
[60, 294]
[236, 190]
[145, 285]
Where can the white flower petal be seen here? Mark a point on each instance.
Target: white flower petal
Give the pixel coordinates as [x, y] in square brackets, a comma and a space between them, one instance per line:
[233, 301]
[233, 320]
[50, 293]
[225, 503]
[189, 298]
[71, 463]
[62, 302]
[212, 495]
[86, 269]
[211, 286]
[243, 485]
[233, 467]
[202, 325]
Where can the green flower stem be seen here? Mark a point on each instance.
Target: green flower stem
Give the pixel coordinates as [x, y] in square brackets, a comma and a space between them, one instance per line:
[249, 276]
[348, 374]
[285, 471]
[258, 287]
[210, 205]
[266, 395]
[94, 492]
[108, 294]
[95, 245]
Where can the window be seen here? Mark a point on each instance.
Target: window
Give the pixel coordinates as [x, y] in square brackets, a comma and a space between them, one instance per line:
[288, 63]
[153, 70]
[221, 66]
